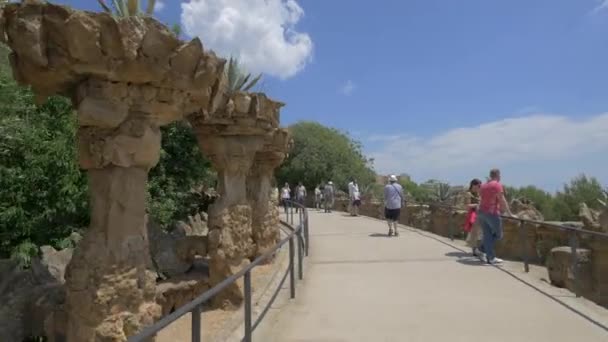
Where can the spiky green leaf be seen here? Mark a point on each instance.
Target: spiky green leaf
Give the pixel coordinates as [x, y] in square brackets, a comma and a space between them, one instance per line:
[119, 8]
[241, 82]
[150, 8]
[253, 82]
[105, 7]
[133, 6]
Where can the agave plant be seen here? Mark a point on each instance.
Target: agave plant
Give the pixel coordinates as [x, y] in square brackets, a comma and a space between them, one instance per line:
[604, 201]
[127, 8]
[439, 191]
[238, 77]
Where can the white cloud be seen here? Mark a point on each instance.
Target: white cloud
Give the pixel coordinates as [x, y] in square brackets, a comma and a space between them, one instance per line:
[541, 148]
[602, 6]
[159, 6]
[348, 88]
[260, 32]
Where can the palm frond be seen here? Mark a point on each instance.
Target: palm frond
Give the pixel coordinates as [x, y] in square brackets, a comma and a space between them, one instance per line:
[105, 7]
[124, 9]
[118, 7]
[133, 7]
[237, 77]
[150, 8]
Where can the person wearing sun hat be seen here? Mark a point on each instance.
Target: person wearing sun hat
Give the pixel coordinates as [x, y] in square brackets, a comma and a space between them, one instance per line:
[393, 201]
[328, 195]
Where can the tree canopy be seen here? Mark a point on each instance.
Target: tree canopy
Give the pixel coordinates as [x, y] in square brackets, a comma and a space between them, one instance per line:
[321, 154]
[43, 193]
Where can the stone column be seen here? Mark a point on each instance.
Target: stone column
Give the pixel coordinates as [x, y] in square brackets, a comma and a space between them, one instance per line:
[265, 219]
[110, 295]
[230, 133]
[230, 242]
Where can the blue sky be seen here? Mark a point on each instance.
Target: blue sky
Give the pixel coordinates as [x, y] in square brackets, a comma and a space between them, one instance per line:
[434, 88]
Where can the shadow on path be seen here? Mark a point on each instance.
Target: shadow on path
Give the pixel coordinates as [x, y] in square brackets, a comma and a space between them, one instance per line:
[379, 235]
[461, 254]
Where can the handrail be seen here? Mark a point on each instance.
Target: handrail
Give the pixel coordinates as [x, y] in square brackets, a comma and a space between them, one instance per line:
[300, 232]
[573, 238]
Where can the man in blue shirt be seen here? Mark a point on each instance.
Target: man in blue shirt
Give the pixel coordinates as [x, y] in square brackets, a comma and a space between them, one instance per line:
[393, 200]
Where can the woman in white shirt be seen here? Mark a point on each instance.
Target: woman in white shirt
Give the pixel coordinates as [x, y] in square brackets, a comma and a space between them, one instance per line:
[285, 196]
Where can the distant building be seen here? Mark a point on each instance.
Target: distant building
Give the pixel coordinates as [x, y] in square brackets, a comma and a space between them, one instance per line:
[382, 179]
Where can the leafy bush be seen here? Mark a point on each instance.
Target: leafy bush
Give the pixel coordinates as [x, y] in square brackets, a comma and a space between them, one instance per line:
[181, 171]
[43, 194]
[321, 154]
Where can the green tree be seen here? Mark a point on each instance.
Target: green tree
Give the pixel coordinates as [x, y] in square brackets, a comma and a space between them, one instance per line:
[437, 191]
[321, 154]
[181, 170]
[580, 189]
[43, 194]
[542, 200]
[176, 29]
[415, 192]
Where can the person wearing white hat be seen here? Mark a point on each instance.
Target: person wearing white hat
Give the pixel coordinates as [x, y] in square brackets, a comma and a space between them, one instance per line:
[328, 196]
[393, 201]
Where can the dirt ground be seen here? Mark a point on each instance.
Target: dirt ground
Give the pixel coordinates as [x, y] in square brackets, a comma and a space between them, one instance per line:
[218, 325]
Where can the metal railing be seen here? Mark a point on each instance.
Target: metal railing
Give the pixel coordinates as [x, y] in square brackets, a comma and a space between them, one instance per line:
[297, 232]
[572, 231]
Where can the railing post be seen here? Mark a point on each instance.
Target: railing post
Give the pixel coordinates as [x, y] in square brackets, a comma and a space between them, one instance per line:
[291, 210]
[300, 252]
[196, 324]
[306, 235]
[523, 243]
[574, 250]
[450, 220]
[292, 275]
[247, 285]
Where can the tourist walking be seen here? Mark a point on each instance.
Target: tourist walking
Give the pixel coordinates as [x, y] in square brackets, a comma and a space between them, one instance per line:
[354, 197]
[492, 204]
[328, 196]
[318, 197]
[285, 196]
[471, 226]
[393, 201]
[300, 195]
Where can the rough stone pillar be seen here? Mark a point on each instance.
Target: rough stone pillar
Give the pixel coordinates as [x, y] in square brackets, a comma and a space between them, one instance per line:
[265, 219]
[230, 240]
[110, 295]
[126, 77]
[236, 127]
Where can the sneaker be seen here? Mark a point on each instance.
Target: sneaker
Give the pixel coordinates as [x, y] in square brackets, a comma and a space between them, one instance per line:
[396, 232]
[495, 261]
[390, 232]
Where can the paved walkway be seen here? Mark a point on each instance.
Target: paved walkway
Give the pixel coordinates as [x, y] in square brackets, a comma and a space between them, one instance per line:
[361, 285]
